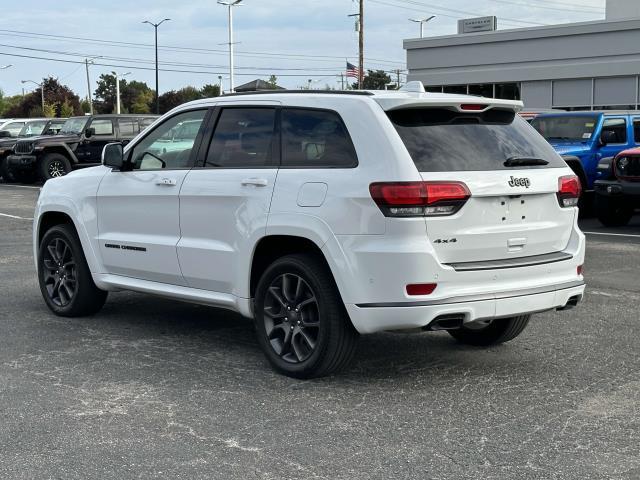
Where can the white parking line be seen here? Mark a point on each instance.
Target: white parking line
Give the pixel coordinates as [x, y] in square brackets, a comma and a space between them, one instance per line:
[14, 216]
[19, 186]
[613, 234]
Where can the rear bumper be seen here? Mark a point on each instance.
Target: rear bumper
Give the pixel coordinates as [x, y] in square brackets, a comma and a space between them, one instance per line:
[375, 317]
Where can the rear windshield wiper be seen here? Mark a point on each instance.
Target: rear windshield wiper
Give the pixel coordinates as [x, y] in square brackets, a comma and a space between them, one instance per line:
[525, 162]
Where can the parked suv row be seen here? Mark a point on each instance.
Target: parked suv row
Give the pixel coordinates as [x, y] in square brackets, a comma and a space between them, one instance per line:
[322, 216]
[79, 144]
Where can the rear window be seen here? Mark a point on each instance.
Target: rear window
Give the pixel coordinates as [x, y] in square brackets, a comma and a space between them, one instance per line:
[568, 128]
[442, 140]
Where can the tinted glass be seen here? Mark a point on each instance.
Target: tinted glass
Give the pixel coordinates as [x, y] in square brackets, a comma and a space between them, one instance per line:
[442, 140]
[636, 130]
[618, 129]
[243, 138]
[161, 148]
[128, 127]
[102, 126]
[315, 138]
[569, 128]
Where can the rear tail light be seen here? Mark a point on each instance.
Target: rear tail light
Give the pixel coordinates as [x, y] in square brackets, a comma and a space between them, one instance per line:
[569, 190]
[474, 107]
[419, 199]
[580, 269]
[421, 288]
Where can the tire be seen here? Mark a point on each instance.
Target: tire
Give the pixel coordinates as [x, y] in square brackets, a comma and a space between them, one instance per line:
[53, 165]
[64, 277]
[498, 331]
[613, 212]
[321, 338]
[6, 175]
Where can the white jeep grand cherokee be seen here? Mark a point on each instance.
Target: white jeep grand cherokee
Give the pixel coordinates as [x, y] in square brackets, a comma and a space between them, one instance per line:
[322, 215]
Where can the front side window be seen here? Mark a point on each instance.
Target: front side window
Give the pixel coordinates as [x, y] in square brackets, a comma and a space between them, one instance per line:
[162, 148]
[315, 139]
[102, 126]
[243, 138]
[615, 130]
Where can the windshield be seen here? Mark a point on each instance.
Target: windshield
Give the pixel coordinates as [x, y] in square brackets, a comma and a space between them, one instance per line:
[74, 125]
[442, 140]
[568, 128]
[32, 129]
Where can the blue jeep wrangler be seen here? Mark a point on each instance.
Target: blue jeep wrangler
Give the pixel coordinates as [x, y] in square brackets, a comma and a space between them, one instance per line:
[584, 139]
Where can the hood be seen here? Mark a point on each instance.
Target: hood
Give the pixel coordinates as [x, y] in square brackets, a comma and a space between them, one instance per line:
[571, 148]
[50, 139]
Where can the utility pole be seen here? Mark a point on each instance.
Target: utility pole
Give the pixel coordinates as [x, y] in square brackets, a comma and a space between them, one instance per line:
[87, 62]
[155, 26]
[398, 73]
[342, 80]
[230, 5]
[361, 46]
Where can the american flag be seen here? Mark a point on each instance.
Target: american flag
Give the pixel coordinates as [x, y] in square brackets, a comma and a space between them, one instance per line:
[352, 71]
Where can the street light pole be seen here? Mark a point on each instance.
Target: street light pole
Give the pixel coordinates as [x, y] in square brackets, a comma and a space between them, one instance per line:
[155, 26]
[41, 85]
[87, 62]
[230, 5]
[422, 21]
[118, 90]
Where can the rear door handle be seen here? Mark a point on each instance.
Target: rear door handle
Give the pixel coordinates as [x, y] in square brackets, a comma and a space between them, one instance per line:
[256, 182]
[168, 182]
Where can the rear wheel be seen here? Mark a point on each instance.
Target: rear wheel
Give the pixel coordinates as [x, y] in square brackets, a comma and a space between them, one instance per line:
[613, 212]
[491, 332]
[64, 277]
[301, 323]
[53, 165]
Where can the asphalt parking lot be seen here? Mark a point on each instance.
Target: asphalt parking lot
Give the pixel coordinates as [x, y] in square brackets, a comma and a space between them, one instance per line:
[151, 388]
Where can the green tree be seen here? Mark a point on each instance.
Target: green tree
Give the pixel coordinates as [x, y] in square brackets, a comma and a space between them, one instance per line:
[273, 81]
[66, 110]
[55, 94]
[50, 110]
[173, 98]
[210, 91]
[135, 96]
[374, 80]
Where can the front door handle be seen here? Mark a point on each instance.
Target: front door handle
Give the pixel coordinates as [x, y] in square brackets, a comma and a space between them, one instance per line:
[256, 182]
[167, 182]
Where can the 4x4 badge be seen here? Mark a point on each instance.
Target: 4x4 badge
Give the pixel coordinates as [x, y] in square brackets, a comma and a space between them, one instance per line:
[519, 182]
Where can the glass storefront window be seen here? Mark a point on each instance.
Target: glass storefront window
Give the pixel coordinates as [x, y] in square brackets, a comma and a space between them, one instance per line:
[460, 89]
[483, 90]
[508, 91]
[433, 89]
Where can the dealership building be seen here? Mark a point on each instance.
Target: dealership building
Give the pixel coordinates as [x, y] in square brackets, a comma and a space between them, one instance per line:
[576, 66]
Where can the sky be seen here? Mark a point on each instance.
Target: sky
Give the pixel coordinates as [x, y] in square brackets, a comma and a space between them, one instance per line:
[296, 40]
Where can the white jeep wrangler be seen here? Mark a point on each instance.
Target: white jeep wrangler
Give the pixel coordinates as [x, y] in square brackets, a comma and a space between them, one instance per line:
[322, 215]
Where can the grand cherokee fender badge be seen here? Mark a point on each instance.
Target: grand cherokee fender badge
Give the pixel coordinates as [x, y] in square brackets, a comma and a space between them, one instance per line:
[125, 247]
[519, 182]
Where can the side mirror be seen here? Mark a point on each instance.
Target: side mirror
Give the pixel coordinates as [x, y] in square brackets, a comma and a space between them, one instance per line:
[607, 137]
[89, 132]
[5, 134]
[113, 156]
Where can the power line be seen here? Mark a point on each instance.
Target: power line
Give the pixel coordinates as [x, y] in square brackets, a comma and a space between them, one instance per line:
[546, 7]
[293, 56]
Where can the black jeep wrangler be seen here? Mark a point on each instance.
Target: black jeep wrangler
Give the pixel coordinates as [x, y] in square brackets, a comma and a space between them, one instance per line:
[618, 188]
[30, 128]
[79, 144]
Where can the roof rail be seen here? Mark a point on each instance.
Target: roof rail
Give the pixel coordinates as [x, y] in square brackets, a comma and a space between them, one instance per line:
[315, 92]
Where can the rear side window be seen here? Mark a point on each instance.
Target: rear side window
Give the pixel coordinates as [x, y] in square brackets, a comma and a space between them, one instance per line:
[636, 130]
[617, 128]
[315, 139]
[243, 138]
[128, 126]
[103, 126]
[442, 140]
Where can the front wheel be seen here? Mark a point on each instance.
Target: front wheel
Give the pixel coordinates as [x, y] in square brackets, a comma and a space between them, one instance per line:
[613, 212]
[54, 165]
[301, 323]
[491, 332]
[5, 173]
[64, 277]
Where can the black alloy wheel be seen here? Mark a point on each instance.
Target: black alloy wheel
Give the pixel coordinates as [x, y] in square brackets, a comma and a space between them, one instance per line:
[59, 272]
[56, 168]
[291, 318]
